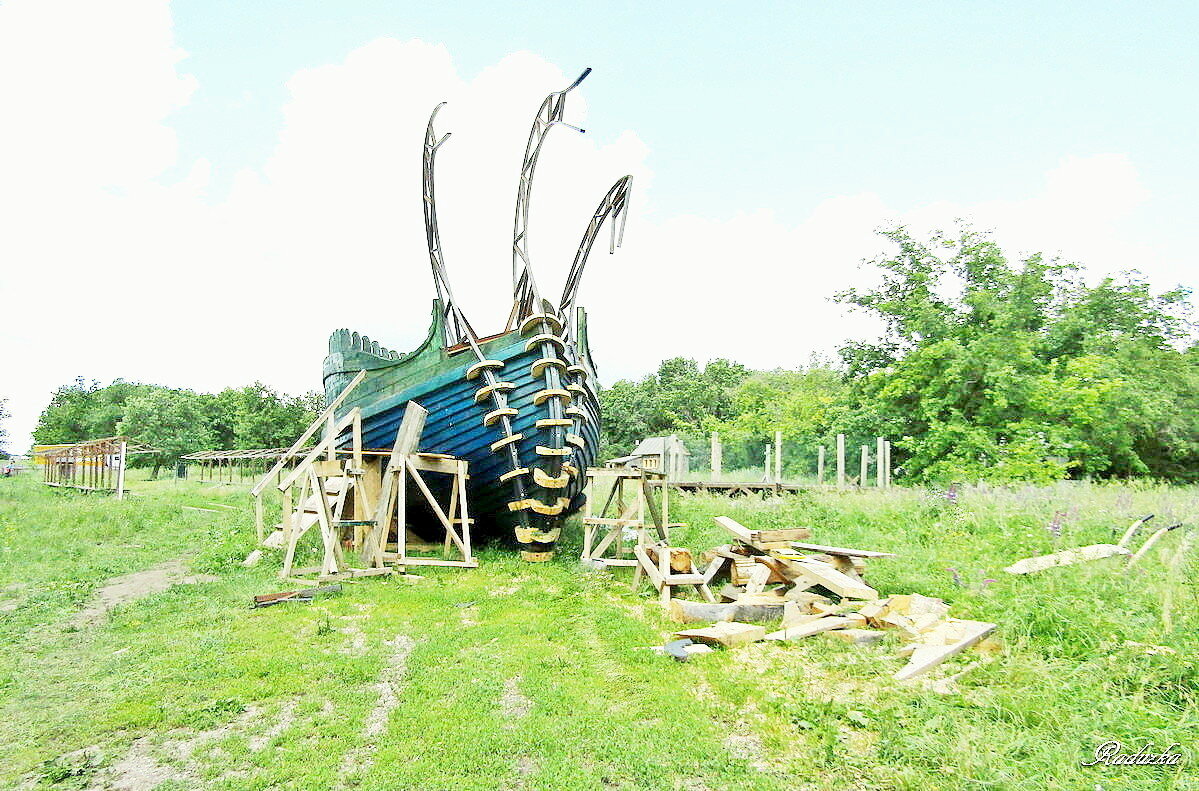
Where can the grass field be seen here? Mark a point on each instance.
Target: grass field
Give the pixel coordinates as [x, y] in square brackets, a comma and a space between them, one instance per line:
[517, 676]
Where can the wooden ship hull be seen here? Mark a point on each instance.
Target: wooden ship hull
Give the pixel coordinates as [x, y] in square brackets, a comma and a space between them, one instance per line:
[527, 465]
[521, 406]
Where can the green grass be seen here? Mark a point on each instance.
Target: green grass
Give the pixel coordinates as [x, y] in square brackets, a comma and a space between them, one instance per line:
[216, 695]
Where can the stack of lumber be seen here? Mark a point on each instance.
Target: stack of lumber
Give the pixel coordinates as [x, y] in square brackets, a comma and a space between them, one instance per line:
[812, 589]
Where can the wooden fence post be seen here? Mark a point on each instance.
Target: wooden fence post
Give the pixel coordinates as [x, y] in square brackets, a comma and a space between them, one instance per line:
[717, 456]
[820, 466]
[887, 463]
[121, 472]
[778, 457]
[767, 477]
[840, 460]
[879, 478]
[864, 474]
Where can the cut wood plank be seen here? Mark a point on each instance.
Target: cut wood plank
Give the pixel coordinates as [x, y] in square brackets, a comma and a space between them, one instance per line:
[824, 624]
[838, 583]
[843, 551]
[926, 657]
[858, 636]
[739, 531]
[1066, 557]
[727, 634]
[758, 575]
[762, 539]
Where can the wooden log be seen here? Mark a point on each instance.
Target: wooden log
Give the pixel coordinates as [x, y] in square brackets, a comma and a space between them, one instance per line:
[680, 559]
[684, 611]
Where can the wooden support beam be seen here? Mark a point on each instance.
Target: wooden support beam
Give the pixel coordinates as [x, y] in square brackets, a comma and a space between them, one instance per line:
[312, 429]
[840, 461]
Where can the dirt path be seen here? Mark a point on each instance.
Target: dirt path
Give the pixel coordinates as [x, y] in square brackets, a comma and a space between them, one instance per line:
[130, 587]
[359, 760]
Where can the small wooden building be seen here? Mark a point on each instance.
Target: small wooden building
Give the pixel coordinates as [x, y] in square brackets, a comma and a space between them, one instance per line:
[660, 454]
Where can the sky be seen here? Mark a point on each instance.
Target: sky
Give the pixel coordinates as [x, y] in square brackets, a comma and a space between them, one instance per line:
[196, 194]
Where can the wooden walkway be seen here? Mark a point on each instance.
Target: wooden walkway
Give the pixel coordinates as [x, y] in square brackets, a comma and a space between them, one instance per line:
[734, 489]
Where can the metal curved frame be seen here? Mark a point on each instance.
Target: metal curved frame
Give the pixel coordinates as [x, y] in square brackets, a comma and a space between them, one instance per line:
[524, 286]
[614, 204]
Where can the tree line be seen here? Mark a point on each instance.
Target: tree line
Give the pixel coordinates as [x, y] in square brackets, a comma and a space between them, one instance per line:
[176, 421]
[988, 368]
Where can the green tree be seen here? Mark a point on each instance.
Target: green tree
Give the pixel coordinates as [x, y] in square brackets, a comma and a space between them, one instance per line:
[81, 411]
[680, 397]
[257, 416]
[174, 421]
[1023, 372]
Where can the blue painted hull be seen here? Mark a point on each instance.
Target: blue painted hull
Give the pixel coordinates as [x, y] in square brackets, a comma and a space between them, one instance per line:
[436, 378]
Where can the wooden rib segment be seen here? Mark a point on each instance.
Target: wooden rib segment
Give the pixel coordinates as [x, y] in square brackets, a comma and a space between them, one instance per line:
[542, 450]
[576, 370]
[540, 365]
[536, 557]
[541, 396]
[578, 412]
[541, 478]
[536, 506]
[554, 422]
[486, 391]
[496, 414]
[513, 473]
[482, 365]
[578, 440]
[533, 320]
[544, 337]
[499, 443]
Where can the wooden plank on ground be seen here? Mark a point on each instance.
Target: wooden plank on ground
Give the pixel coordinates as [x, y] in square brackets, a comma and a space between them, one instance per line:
[824, 624]
[1067, 557]
[838, 583]
[727, 634]
[843, 551]
[926, 657]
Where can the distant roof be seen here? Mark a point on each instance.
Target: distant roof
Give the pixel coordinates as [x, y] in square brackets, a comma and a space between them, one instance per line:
[657, 446]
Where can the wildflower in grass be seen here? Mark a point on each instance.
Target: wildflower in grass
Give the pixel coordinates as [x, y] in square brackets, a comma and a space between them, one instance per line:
[1055, 527]
[957, 578]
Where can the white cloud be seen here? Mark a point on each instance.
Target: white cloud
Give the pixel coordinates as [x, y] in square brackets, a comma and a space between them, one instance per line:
[108, 272]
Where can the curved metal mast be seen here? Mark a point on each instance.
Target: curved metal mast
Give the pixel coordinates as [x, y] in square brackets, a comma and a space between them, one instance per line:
[614, 204]
[524, 287]
[456, 328]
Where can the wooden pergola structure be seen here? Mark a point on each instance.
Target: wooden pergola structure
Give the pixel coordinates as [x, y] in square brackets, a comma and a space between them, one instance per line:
[231, 466]
[96, 465]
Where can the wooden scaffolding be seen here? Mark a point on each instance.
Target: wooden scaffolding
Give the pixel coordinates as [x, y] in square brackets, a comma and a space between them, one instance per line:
[636, 511]
[357, 500]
